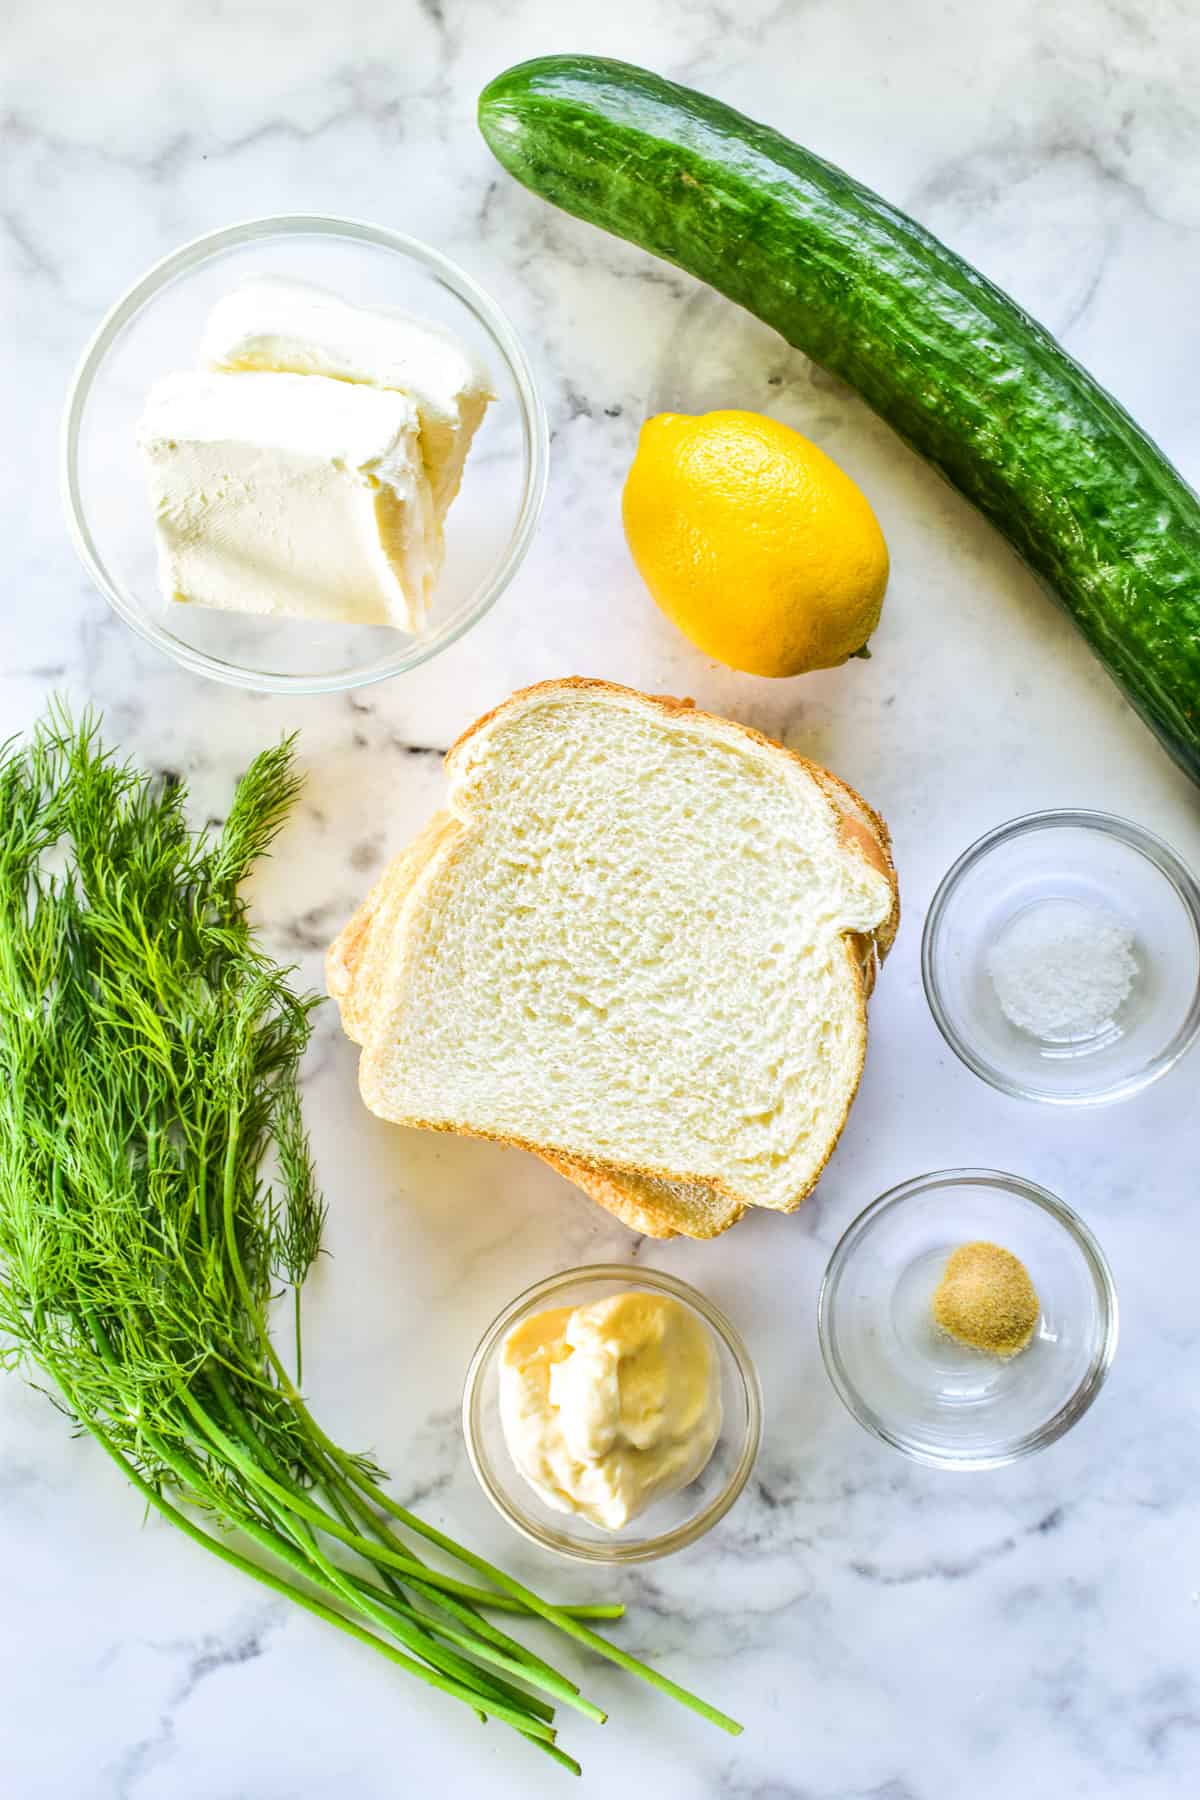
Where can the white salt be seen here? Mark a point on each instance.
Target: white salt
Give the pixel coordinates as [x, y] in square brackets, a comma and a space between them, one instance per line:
[1062, 969]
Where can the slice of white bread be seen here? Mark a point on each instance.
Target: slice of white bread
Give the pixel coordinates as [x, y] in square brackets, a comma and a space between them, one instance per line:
[356, 961]
[645, 949]
[354, 967]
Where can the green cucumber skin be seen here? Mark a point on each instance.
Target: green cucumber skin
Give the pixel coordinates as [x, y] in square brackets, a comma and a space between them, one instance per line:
[971, 382]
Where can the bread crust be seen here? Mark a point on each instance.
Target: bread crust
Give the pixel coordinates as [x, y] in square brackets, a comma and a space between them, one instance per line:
[653, 1209]
[357, 957]
[863, 835]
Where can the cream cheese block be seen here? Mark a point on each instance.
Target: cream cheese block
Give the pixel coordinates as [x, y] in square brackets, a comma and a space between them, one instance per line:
[274, 323]
[291, 495]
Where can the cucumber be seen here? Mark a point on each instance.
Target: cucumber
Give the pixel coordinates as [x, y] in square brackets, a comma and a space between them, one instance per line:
[974, 384]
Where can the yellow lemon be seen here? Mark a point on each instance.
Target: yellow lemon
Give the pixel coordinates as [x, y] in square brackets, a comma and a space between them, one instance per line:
[753, 542]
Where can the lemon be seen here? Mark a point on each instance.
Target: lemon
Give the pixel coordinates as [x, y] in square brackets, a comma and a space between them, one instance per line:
[753, 542]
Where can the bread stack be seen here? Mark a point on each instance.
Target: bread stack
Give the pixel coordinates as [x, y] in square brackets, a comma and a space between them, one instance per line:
[639, 943]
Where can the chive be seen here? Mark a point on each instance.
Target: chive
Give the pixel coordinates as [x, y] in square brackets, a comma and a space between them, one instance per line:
[149, 1056]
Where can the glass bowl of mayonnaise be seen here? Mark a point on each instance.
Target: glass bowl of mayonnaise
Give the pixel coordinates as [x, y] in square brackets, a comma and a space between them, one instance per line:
[303, 454]
[612, 1414]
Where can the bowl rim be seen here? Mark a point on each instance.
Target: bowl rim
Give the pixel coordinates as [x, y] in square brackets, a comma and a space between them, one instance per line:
[1076, 1404]
[1158, 853]
[649, 1549]
[535, 439]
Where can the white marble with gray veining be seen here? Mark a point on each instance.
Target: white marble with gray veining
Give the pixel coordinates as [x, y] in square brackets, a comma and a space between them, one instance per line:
[886, 1632]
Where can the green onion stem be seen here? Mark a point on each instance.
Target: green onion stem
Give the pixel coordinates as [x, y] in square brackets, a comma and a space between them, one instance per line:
[553, 1614]
[303, 1537]
[334, 1480]
[266, 1577]
[506, 1583]
[275, 1490]
[271, 1541]
[461, 1674]
[395, 1602]
[515, 1591]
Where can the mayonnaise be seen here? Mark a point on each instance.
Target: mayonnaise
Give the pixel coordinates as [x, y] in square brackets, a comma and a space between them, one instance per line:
[609, 1407]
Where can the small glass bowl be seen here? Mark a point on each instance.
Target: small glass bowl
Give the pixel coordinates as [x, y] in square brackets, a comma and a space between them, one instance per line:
[915, 1387]
[1087, 857]
[156, 329]
[671, 1523]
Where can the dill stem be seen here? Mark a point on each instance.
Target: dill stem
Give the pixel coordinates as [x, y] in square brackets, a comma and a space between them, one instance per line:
[395, 1594]
[391, 1593]
[562, 1690]
[502, 1690]
[285, 1493]
[437, 1582]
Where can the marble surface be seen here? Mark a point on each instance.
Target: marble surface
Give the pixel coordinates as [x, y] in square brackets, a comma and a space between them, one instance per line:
[886, 1632]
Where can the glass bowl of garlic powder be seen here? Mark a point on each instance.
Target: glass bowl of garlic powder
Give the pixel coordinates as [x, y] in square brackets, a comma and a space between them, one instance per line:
[1061, 958]
[626, 1449]
[340, 541]
[968, 1318]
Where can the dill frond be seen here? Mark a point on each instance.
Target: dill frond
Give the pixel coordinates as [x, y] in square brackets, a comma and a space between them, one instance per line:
[156, 1187]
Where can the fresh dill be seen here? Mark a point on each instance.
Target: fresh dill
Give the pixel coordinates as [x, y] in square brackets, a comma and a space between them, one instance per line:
[157, 1191]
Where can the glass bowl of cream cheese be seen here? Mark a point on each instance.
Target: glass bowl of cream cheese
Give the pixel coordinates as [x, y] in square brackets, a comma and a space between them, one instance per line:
[176, 448]
[612, 1414]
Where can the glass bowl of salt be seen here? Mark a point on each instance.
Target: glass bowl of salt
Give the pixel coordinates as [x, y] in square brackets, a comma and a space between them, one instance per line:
[1061, 958]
